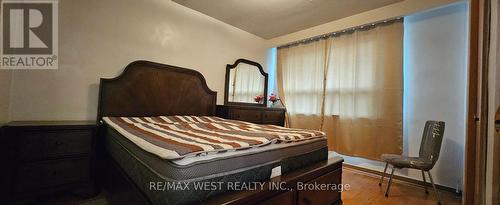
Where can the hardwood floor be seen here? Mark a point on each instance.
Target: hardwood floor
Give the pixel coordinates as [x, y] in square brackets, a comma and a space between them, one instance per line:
[364, 189]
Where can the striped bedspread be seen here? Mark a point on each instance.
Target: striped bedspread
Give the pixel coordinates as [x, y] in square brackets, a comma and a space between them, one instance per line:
[176, 137]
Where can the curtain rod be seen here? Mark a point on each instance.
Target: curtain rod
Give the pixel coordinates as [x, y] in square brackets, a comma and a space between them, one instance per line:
[367, 26]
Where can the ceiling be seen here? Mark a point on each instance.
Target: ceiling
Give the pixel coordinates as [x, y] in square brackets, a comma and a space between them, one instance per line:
[273, 18]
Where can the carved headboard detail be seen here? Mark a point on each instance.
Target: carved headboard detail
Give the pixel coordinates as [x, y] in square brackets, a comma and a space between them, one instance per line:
[151, 89]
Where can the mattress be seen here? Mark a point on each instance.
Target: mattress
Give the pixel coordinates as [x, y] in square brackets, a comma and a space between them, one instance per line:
[144, 168]
[177, 137]
[196, 168]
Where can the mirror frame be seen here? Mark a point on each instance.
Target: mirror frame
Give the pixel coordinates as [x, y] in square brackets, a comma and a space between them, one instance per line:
[226, 87]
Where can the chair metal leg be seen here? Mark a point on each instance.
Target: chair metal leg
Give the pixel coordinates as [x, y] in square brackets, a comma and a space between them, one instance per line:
[389, 184]
[383, 174]
[434, 186]
[425, 183]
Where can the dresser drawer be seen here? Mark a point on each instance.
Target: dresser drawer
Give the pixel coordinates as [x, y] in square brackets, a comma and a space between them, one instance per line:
[33, 145]
[273, 117]
[321, 197]
[254, 116]
[52, 173]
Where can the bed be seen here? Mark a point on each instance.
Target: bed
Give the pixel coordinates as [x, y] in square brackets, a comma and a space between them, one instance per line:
[158, 127]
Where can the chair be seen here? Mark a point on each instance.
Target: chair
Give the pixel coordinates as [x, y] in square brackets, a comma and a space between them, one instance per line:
[430, 147]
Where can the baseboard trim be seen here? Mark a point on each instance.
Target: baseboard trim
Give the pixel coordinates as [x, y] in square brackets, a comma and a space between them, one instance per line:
[404, 179]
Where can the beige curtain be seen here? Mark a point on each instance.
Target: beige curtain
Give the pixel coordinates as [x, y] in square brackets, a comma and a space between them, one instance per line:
[350, 86]
[302, 81]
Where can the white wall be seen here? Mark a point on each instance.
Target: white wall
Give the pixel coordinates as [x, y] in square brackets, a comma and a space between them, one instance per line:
[436, 76]
[272, 56]
[435, 73]
[5, 81]
[98, 38]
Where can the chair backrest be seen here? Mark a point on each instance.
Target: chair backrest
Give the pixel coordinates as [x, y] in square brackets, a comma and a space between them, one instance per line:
[432, 139]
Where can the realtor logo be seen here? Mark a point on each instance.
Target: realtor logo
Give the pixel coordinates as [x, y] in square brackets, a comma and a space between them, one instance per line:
[29, 34]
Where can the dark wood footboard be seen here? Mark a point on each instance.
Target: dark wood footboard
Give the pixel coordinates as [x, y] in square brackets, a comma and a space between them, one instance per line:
[313, 184]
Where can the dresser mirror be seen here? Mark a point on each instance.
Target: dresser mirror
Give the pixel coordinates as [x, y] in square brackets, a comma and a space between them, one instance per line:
[246, 84]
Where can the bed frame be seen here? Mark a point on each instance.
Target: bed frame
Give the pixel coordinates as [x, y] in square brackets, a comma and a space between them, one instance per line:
[151, 89]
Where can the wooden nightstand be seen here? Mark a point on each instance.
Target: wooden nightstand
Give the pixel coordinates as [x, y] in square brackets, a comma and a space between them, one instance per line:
[44, 158]
[254, 114]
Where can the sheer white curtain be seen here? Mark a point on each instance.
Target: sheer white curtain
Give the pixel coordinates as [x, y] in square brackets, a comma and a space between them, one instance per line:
[356, 84]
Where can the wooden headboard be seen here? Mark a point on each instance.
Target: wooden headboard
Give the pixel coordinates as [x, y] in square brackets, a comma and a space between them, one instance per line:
[151, 89]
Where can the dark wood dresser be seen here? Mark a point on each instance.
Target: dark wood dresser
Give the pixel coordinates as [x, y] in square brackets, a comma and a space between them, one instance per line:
[45, 158]
[254, 114]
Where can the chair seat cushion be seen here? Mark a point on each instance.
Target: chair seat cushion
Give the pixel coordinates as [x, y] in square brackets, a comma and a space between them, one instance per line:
[399, 161]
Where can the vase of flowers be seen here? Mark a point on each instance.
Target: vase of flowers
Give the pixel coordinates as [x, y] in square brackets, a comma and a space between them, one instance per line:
[273, 99]
[258, 98]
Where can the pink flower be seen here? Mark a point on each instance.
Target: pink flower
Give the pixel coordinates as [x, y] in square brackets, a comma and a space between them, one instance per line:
[258, 98]
[273, 98]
